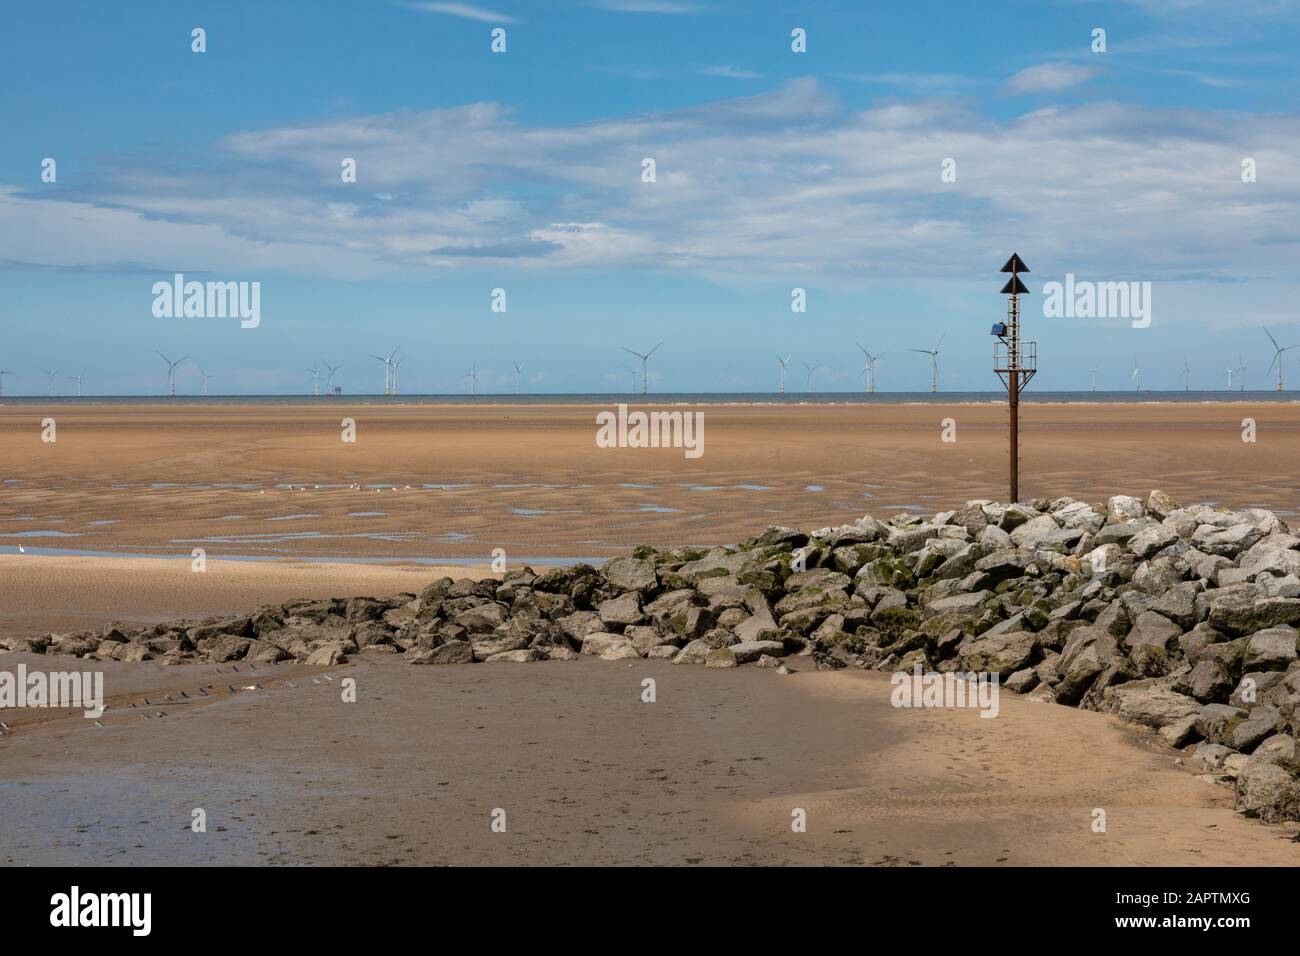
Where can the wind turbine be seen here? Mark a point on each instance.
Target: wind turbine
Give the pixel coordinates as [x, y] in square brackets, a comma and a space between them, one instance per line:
[315, 374]
[3, 373]
[396, 365]
[634, 372]
[1136, 377]
[1241, 367]
[1187, 375]
[870, 368]
[51, 375]
[206, 376]
[329, 379]
[644, 359]
[811, 369]
[77, 379]
[1092, 377]
[171, 373]
[1277, 356]
[782, 362]
[934, 360]
[472, 375]
[388, 369]
[519, 378]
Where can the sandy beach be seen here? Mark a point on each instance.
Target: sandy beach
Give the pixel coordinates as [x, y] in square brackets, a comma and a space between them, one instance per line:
[709, 774]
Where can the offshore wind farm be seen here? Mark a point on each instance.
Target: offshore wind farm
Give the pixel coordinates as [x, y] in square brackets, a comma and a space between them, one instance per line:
[905, 384]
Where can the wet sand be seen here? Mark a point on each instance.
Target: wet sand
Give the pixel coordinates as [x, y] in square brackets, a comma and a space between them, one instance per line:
[531, 480]
[589, 774]
[453, 483]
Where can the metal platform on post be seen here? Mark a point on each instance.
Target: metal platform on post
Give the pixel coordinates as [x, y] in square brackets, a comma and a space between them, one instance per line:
[1014, 362]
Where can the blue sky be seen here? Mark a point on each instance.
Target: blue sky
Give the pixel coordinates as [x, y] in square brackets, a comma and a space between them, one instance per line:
[522, 170]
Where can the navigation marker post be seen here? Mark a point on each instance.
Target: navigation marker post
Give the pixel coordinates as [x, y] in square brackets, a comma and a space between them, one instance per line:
[1015, 362]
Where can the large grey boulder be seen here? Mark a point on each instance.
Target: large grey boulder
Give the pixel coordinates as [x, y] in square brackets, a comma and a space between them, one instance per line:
[621, 611]
[716, 562]
[694, 653]
[488, 646]
[452, 652]
[756, 626]
[1126, 507]
[823, 578]
[623, 650]
[579, 624]
[1208, 681]
[961, 603]
[327, 655]
[1121, 533]
[645, 639]
[1227, 542]
[1275, 554]
[630, 574]
[1262, 722]
[1178, 603]
[1147, 542]
[1279, 750]
[1271, 649]
[1268, 792]
[746, 651]
[1242, 611]
[1215, 722]
[1002, 654]
[593, 645]
[484, 617]
[1159, 575]
[1161, 505]
[1151, 705]
[522, 656]
[1038, 530]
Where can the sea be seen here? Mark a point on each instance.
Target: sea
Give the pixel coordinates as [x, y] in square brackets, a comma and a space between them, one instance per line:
[1030, 397]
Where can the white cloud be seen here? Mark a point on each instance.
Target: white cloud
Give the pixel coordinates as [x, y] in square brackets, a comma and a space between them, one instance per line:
[920, 83]
[465, 11]
[782, 183]
[1049, 78]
